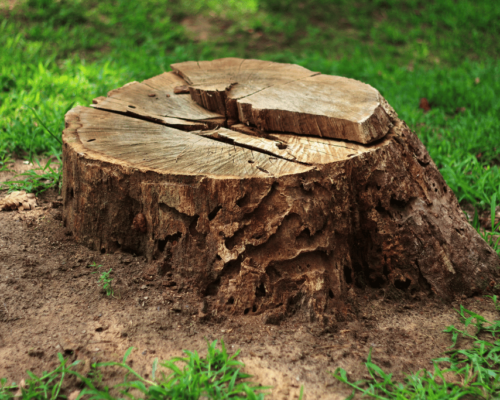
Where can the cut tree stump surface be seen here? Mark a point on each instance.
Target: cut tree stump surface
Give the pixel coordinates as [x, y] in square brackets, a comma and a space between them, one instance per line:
[268, 188]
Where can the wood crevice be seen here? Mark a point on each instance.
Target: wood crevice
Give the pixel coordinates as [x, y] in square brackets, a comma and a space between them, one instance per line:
[212, 134]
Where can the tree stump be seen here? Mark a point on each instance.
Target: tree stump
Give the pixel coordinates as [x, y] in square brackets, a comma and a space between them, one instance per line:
[268, 188]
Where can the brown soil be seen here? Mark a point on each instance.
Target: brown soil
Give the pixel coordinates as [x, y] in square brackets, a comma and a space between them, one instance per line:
[50, 302]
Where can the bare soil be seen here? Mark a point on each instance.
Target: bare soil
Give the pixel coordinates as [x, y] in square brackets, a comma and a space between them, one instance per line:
[50, 302]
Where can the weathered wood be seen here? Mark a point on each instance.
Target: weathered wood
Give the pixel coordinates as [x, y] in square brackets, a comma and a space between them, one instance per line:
[287, 98]
[217, 85]
[261, 220]
[155, 100]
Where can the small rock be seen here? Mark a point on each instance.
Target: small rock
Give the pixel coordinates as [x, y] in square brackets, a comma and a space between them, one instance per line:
[139, 223]
[22, 385]
[59, 198]
[272, 318]
[126, 260]
[203, 309]
[177, 307]
[73, 395]
[55, 204]
[144, 287]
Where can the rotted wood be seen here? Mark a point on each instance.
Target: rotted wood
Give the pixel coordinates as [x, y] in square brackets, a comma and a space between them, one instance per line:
[268, 188]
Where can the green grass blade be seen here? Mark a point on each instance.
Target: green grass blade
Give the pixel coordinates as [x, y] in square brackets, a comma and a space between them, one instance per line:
[45, 126]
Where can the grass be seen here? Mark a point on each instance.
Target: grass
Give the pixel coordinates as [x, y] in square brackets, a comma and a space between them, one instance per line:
[36, 180]
[490, 236]
[462, 373]
[217, 376]
[104, 279]
[5, 161]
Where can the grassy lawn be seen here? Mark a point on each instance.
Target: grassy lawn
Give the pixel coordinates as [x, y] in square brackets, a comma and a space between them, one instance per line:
[59, 54]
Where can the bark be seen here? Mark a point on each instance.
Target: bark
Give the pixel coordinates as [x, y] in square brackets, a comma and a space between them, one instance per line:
[268, 188]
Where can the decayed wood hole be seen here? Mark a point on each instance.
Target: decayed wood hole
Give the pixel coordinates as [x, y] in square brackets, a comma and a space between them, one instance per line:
[268, 188]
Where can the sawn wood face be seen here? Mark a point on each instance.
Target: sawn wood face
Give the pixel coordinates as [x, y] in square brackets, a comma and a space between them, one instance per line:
[287, 98]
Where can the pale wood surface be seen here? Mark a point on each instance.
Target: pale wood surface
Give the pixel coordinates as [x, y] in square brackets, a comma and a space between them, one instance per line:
[242, 77]
[287, 98]
[306, 150]
[322, 105]
[154, 99]
[147, 145]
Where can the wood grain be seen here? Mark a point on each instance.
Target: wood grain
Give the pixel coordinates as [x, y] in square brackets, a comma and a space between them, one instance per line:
[287, 98]
[155, 100]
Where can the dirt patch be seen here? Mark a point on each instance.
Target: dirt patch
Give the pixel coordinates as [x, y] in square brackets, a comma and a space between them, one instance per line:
[18, 166]
[200, 27]
[50, 302]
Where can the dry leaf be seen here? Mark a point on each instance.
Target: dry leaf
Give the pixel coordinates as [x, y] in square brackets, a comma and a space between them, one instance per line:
[424, 104]
[18, 201]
